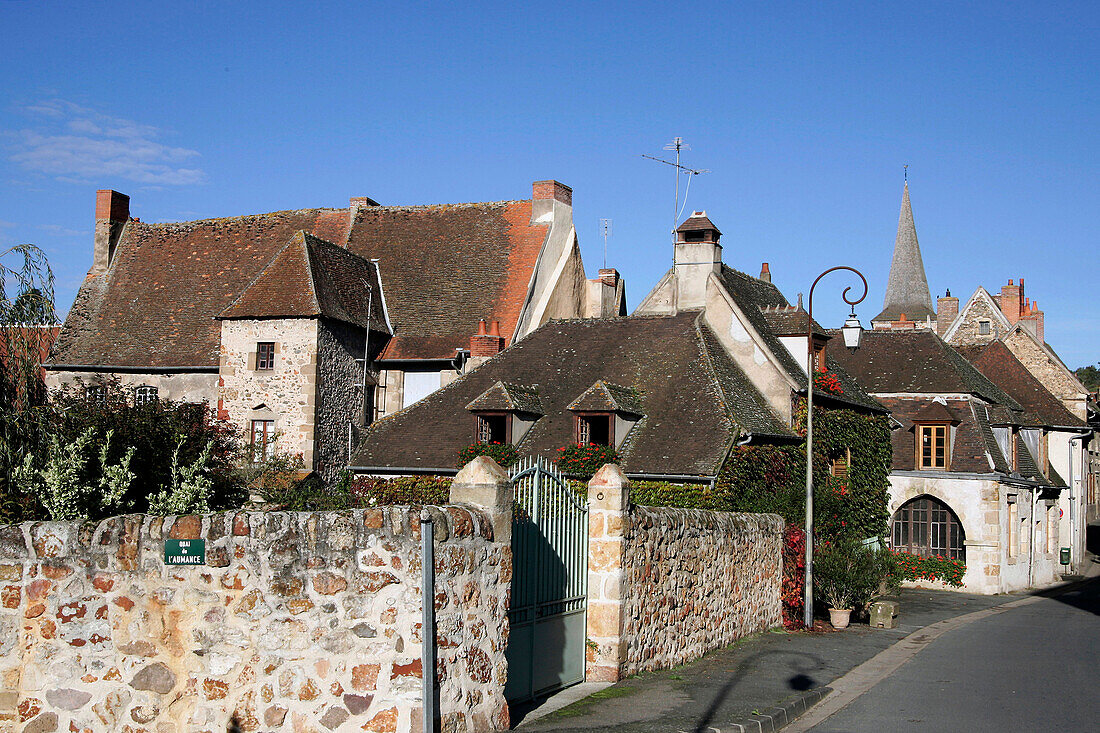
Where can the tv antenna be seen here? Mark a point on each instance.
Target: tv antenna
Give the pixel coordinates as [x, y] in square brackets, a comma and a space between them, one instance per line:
[605, 229]
[678, 144]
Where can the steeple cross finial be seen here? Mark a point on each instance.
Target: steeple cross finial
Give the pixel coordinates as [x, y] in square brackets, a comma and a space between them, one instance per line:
[906, 173]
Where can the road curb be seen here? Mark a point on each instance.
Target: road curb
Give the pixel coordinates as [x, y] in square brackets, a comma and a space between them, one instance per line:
[775, 719]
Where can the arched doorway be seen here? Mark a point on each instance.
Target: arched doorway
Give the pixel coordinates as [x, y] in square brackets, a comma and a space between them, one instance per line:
[927, 526]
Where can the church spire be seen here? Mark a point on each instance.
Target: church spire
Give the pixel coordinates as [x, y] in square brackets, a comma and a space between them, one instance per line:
[907, 290]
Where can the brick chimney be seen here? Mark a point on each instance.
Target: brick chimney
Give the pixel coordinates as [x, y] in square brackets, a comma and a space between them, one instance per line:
[484, 344]
[609, 276]
[1012, 301]
[765, 273]
[947, 310]
[555, 190]
[112, 211]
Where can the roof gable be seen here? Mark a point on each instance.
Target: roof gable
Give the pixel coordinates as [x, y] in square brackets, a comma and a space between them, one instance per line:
[980, 303]
[605, 397]
[507, 398]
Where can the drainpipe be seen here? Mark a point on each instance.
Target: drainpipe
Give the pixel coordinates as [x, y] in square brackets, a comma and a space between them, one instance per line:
[1074, 499]
[1031, 540]
[427, 629]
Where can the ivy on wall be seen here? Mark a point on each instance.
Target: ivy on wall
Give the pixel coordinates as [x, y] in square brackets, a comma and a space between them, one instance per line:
[769, 478]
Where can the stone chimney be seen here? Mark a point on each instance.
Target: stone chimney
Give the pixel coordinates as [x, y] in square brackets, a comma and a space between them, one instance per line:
[697, 255]
[765, 273]
[484, 345]
[947, 310]
[112, 211]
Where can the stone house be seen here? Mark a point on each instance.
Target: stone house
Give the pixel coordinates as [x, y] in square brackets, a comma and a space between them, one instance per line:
[971, 476]
[309, 324]
[711, 359]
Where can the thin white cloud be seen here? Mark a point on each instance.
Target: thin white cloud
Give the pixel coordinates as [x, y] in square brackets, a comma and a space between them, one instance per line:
[60, 231]
[76, 144]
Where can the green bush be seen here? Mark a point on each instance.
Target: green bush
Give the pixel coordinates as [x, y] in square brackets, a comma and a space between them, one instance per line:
[848, 574]
[108, 456]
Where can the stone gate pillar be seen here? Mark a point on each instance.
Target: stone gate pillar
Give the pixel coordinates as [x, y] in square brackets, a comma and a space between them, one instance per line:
[608, 523]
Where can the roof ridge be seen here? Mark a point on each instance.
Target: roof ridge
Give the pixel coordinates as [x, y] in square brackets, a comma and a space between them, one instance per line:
[311, 266]
[460, 205]
[214, 219]
[259, 275]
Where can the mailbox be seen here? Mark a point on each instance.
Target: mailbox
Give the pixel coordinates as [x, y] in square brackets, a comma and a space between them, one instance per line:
[1064, 554]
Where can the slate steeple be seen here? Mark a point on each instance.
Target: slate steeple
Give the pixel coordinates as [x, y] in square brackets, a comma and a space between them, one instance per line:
[907, 289]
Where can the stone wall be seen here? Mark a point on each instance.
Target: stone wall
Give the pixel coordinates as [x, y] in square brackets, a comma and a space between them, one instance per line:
[297, 621]
[666, 585]
[339, 400]
[288, 392]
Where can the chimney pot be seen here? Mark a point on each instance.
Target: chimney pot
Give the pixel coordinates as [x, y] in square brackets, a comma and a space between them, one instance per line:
[494, 329]
[481, 327]
[765, 273]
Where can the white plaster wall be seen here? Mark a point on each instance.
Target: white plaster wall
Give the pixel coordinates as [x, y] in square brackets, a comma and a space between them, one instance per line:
[190, 387]
[733, 333]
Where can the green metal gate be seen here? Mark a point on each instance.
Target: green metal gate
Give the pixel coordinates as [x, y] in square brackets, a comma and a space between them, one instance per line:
[549, 583]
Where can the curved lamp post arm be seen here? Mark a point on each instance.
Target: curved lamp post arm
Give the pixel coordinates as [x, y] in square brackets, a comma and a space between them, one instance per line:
[808, 591]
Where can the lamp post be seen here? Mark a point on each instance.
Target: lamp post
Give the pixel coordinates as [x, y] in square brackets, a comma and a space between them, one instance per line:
[852, 332]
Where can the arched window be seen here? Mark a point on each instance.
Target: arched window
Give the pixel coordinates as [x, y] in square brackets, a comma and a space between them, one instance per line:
[927, 526]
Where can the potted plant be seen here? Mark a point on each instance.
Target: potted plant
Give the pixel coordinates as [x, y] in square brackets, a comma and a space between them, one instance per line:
[846, 574]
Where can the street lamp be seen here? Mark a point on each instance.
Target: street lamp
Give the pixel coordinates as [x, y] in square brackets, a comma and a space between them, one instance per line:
[852, 333]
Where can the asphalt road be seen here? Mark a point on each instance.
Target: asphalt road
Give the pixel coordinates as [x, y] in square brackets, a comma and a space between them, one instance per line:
[1032, 667]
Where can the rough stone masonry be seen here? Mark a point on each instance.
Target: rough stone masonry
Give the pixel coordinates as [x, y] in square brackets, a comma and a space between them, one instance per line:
[297, 621]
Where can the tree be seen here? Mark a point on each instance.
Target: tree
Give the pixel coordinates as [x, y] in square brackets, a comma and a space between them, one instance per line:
[1089, 376]
[26, 305]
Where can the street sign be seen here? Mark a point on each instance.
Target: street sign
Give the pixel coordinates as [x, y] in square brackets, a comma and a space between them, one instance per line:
[185, 552]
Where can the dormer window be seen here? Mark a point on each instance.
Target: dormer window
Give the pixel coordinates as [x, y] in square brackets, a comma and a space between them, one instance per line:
[605, 414]
[595, 429]
[504, 413]
[933, 427]
[494, 428]
[932, 447]
[819, 355]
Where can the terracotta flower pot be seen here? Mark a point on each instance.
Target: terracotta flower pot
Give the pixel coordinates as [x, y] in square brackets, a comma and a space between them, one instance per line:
[839, 617]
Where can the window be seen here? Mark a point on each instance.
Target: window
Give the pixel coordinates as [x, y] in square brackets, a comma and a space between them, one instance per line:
[984, 328]
[819, 357]
[839, 465]
[97, 393]
[932, 448]
[1013, 529]
[265, 355]
[492, 428]
[694, 236]
[594, 430]
[263, 439]
[926, 526]
[144, 395]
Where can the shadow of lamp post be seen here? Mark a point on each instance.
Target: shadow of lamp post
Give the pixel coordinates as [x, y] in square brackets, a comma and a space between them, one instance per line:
[852, 333]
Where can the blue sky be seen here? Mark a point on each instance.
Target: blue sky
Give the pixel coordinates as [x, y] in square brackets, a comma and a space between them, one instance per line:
[804, 114]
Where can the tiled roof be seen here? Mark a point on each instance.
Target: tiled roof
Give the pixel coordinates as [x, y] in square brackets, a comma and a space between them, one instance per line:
[1001, 366]
[156, 305]
[310, 277]
[791, 322]
[444, 268]
[696, 222]
[935, 411]
[696, 402]
[919, 362]
[755, 297]
[508, 398]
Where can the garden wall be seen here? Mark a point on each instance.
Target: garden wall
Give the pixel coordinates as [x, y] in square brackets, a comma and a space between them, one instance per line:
[668, 585]
[297, 621]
